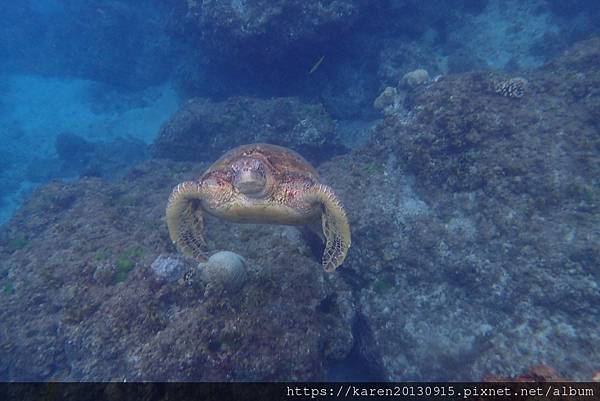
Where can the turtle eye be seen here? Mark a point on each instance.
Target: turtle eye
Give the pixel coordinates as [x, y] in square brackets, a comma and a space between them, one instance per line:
[214, 183]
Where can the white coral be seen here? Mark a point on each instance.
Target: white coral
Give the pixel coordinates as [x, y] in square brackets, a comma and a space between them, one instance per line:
[415, 78]
[224, 269]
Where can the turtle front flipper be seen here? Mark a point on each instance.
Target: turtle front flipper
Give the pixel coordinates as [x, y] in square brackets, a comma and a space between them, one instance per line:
[335, 226]
[184, 219]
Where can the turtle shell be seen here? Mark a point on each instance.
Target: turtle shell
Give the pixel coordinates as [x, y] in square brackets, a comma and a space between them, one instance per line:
[282, 161]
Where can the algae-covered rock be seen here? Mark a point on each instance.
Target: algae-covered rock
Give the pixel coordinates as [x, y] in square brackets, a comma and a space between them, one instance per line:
[475, 228]
[254, 29]
[480, 248]
[285, 322]
[168, 267]
[415, 78]
[203, 129]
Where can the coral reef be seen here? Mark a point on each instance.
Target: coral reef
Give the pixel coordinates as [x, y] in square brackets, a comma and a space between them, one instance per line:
[141, 326]
[486, 259]
[539, 373]
[256, 29]
[514, 87]
[80, 128]
[475, 228]
[80, 157]
[415, 78]
[202, 128]
[390, 101]
[257, 47]
[168, 267]
[398, 57]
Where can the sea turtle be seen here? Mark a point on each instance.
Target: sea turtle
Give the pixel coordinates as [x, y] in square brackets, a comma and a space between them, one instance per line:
[258, 183]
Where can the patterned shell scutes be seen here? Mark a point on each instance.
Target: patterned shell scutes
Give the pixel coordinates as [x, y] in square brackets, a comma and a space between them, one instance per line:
[279, 159]
[291, 187]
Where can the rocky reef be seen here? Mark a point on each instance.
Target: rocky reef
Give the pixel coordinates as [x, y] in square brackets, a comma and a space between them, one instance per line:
[76, 156]
[486, 259]
[203, 129]
[255, 29]
[86, 278]
[474, 222]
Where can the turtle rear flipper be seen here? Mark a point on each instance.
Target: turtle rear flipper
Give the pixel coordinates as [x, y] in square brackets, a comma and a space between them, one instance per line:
[184, 219]
[335, 226]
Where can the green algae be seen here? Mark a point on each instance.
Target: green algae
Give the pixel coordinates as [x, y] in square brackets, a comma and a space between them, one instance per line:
[372, 168]
[8, 288]
[18, 242]
[125, 263]
[382, 285]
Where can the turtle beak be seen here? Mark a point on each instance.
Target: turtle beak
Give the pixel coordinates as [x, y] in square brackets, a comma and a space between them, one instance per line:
[249, 182]
[249, 177]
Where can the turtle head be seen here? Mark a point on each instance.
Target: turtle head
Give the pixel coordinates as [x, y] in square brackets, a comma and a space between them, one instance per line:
[250, 176]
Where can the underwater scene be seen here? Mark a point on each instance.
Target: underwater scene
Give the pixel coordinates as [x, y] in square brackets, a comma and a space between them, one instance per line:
[299, 190]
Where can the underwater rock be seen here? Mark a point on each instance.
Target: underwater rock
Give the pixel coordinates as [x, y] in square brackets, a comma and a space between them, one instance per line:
[254, 29]
[390, 101]
[71, 147]
[60, 255]
[168, 267]
[225, 270]
[538, 373]
[415, 78]
[398, 56]
[464, 61]
[476, 231]
[201, 128]
[386, 99]
[348, 93]
[104, 272]
[490, 230]
[80, 157]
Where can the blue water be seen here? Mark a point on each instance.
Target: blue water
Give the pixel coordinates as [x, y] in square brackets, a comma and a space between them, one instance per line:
[87, 86]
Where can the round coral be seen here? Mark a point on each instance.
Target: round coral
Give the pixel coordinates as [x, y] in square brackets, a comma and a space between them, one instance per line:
[226, 270]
